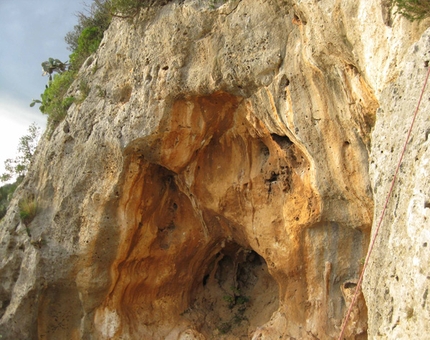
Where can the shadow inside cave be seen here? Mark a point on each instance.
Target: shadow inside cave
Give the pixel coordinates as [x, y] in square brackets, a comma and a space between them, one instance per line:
[237, 294]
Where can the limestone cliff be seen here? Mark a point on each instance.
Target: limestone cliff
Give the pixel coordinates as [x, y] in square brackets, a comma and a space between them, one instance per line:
[221, 179]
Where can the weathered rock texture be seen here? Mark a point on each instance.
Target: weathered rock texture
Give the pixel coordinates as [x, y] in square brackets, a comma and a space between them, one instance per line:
[398, 280]
[215, 182]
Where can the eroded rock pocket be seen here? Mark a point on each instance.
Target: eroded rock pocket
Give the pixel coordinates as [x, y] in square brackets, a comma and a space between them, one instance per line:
[237, 294]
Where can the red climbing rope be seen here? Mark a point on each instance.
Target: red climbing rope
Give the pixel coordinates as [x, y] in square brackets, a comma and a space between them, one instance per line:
[357, 288]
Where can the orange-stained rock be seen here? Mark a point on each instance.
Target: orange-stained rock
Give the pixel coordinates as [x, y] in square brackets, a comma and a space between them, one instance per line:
[205, 227]
[219, 190]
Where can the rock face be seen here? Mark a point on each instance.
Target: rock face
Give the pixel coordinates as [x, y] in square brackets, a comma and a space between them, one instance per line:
[215, 183]
[401, 276]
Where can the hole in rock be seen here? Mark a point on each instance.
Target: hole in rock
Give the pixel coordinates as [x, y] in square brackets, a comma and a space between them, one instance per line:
[236, 294]
[296, 20]
[3, 305]
[273, 177]
[283, 141]
[265, 152]
[124, 93]
[349, 285]
[284, 82]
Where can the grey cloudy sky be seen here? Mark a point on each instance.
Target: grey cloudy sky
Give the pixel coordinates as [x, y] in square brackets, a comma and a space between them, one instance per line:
[31, 31]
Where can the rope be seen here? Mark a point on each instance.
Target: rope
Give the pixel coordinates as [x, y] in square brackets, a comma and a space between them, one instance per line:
[366, 262]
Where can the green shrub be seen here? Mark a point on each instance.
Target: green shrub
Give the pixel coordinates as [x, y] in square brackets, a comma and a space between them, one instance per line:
[230, 300]
[88, 42]
[98, 16]
[28, 209]
[83, 41]
[412, 9]
[54, 101]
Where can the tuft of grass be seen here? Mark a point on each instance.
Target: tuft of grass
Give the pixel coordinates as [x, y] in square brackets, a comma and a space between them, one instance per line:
[85, 89]
[230, 300]
[101, 93]
[412, 9]
[28, 209]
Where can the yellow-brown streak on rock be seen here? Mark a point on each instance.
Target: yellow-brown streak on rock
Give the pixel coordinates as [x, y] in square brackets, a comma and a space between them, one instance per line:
[195, 122]
[233, 183]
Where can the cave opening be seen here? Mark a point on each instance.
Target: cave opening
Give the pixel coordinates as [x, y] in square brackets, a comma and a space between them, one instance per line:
[235, 295]
[198, 220]
[283, 141]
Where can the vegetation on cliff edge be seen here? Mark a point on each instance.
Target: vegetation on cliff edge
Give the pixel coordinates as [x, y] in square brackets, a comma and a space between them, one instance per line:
[412, 9]
[82, 41]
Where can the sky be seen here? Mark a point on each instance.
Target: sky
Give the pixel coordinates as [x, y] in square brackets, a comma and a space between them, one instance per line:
[30, 32]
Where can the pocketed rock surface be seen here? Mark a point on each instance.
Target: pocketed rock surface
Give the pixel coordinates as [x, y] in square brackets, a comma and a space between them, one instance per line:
[223, 179]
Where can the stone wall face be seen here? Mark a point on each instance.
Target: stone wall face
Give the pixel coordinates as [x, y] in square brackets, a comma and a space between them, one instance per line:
[215, 183]
[397, 282]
